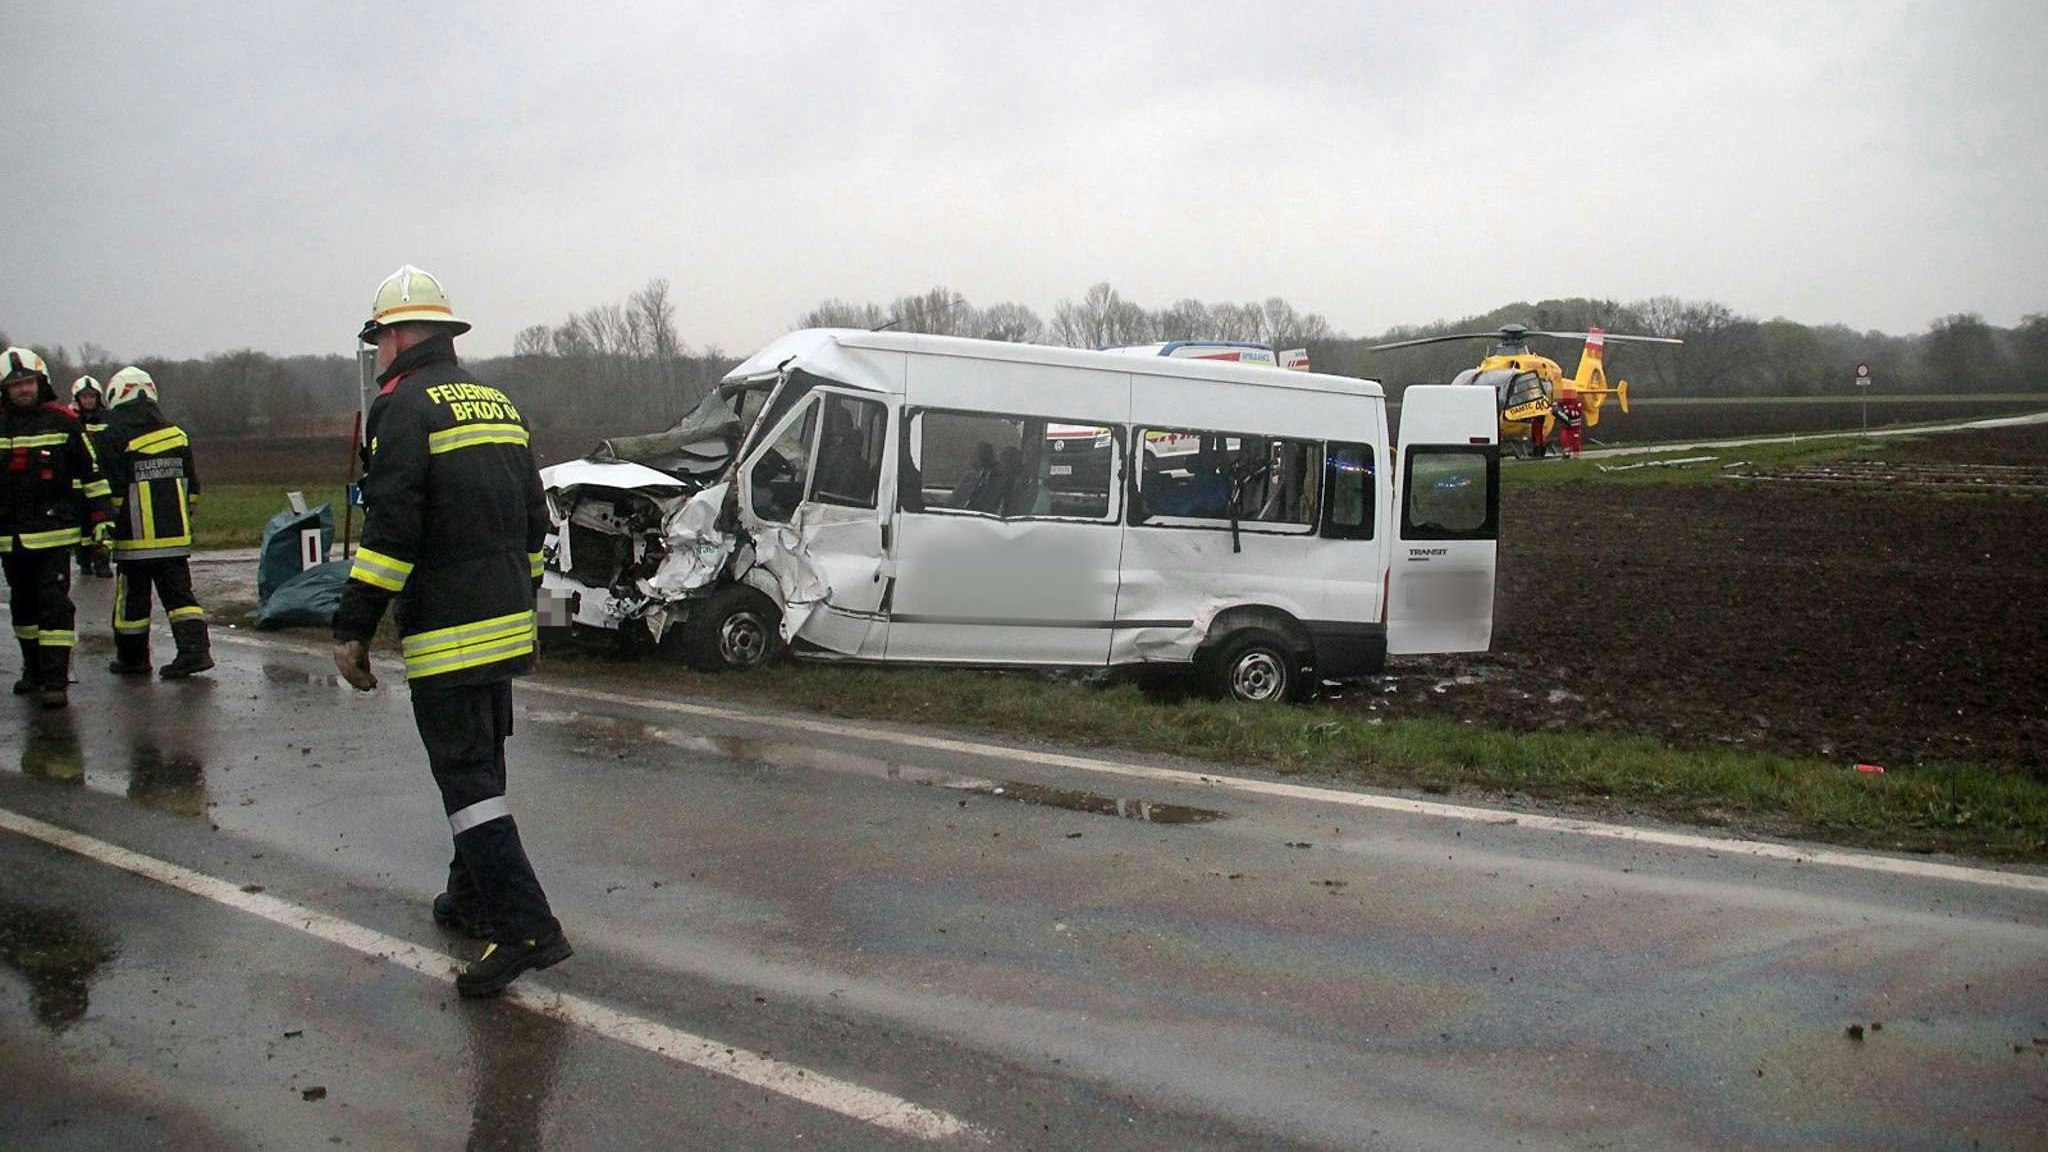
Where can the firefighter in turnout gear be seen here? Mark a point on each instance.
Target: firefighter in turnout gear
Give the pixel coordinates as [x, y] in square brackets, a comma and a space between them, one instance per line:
[89, 404]
[149, 466]
[453, 521]
[51, 497]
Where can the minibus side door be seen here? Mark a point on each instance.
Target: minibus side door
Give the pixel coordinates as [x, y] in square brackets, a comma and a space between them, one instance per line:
[1446, 522]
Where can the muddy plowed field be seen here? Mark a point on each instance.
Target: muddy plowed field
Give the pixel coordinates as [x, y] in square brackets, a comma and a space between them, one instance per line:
[1875, 621]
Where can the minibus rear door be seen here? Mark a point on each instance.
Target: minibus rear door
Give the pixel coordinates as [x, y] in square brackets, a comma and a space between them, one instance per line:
[1446, 523]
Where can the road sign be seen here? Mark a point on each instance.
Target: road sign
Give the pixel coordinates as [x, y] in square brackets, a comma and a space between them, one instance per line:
[1863, 375]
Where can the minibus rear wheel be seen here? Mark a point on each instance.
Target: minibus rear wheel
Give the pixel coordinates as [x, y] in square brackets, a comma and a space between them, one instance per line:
[1257, 667]
[736, 629]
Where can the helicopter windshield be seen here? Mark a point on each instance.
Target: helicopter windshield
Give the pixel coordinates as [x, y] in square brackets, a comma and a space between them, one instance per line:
[1525, 387]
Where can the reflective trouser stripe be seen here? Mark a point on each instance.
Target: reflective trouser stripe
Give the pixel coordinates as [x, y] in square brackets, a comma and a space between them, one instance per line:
[26, 631]
[56, 638]
[481, 812]
[192, 613]
[123, 626]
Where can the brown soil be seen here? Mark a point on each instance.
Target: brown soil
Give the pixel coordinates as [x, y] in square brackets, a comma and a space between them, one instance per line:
[1853, 623]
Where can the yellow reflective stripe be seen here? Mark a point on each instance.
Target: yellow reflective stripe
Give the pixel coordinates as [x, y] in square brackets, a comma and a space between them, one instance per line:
[473, 657]
[153, 543]
[187, 613]
[58, 638]
[145, 520]
[39, 440]
[55, 539]
[163, 439]
[379, 571]
[474, 632]
[27, 632]
[123, 625]
[471, 435]
[533, 564]
[99, 488]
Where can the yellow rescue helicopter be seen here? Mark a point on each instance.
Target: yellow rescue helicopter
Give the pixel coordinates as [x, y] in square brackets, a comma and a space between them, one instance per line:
[1528, 387]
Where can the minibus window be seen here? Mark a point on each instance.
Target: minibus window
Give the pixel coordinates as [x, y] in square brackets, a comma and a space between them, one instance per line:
[780, 471]
[850, 452]
[1229, 476]
[1349, 492]
[1014, 466]
[1451, 493]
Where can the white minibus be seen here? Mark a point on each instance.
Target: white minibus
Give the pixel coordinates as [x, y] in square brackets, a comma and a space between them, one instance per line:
[900, 498]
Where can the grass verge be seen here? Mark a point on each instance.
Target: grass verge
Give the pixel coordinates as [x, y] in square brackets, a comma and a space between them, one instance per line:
[233, 515]
[1963, 809]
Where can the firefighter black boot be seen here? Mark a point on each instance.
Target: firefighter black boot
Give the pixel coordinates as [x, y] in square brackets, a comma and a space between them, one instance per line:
[55, 689]
[502, 962]
[31, 668]
[131, 655]
[195, 654]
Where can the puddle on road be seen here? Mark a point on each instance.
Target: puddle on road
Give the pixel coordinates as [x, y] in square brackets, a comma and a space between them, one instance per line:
[1075, 800]
[780, 754]
[57, 954]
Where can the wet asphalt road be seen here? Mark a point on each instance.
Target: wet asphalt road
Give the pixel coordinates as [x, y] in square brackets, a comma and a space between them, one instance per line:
[1266, 972]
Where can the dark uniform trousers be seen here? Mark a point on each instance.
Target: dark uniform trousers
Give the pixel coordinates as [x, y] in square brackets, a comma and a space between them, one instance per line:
[464, 728]
[39, 584]
[171, 577]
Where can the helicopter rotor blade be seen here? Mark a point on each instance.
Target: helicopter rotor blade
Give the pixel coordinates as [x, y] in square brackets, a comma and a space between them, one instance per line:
[1434, 340]
[1610, 336]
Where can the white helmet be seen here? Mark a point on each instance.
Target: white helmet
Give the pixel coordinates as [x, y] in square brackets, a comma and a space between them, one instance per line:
[410, 296]
[23, 362]
[83, 383]
[128, 384]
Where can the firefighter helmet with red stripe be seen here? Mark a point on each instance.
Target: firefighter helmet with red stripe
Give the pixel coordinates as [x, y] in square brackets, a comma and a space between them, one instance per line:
[130, 383]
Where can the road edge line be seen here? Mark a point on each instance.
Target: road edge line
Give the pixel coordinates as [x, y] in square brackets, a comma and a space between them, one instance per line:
[842, 1097]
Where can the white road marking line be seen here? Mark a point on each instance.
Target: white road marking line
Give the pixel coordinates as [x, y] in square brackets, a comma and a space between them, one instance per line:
[1759, 849]
[801, 1084]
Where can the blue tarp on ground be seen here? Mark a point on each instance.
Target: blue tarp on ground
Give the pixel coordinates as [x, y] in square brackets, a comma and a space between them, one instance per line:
[308, 598]
[278, 559]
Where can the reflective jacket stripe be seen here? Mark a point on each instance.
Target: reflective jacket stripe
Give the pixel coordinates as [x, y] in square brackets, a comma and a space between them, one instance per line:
[98, 488]
[533, 564]
[56, 538]
[444, 639]
[471, 435]
[39, 440]
[161, 440]
[482, 812]
[379, 571]
[475, 656]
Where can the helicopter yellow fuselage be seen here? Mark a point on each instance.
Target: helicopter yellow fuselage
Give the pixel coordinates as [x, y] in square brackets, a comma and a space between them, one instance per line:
[1523, 415]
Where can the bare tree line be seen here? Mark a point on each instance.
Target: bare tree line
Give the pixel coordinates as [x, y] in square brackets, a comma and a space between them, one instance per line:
[625, 367]
[1101, 317]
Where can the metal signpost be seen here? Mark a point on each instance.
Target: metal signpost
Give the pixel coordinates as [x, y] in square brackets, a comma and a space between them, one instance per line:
[1863, 385]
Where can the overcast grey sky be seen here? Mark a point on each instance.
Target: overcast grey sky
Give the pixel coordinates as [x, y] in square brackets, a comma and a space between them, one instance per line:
[187, 178]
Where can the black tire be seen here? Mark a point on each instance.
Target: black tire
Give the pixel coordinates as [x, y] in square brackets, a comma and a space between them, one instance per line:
[1256, 667]
[734, 630]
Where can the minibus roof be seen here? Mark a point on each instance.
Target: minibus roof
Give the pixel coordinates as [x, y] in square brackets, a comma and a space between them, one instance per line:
[835, 353]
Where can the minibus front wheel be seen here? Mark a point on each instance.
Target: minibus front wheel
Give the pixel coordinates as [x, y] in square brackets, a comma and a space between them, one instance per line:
[1257, 667]
[735, 629]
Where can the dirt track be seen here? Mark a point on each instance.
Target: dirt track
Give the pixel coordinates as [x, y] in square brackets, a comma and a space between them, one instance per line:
[1859, 623]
